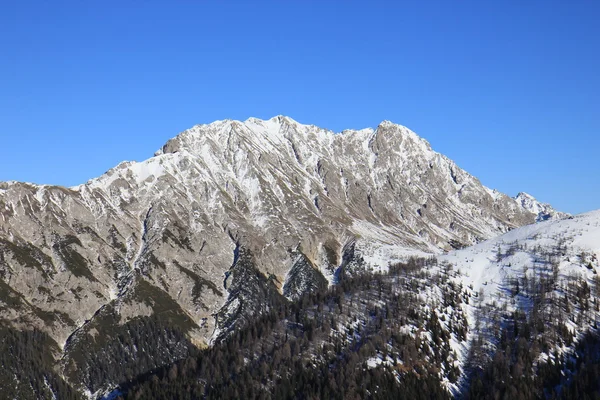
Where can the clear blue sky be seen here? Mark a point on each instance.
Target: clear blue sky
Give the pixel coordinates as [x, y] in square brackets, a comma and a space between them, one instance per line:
[510, 90]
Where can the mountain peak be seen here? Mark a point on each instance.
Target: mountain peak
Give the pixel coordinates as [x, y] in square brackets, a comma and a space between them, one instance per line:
[204, 232]
[276, 129]
[524, 196]
[543, 211]
[387, 122]
[282, 119]
[254, 154]
[362, 172]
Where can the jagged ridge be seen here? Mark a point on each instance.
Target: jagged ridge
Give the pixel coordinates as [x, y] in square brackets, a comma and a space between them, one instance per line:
[270, 187]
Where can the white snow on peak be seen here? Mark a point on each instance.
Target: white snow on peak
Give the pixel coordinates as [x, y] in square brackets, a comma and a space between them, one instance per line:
[493, 193]
[273, 129]
[253, 155]
[542, 210]
[281, 119]
[138, 172]
[363, 132]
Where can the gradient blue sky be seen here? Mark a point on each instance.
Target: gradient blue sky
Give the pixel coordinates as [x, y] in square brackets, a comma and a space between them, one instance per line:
[509, 90]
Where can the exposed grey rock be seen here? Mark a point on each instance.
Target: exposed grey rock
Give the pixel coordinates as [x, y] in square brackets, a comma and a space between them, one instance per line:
[304, 277]
[175, 221]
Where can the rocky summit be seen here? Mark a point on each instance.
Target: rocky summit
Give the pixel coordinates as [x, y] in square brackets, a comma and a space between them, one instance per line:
[224, 222]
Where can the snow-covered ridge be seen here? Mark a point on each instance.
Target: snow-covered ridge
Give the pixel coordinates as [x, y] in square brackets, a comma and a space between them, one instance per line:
[220, 145]
[276, 130]
[481, 266]
[267, 186]
[543, 211]
[387, 176]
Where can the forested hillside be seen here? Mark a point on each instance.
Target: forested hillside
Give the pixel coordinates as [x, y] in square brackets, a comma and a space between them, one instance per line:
[402, 334]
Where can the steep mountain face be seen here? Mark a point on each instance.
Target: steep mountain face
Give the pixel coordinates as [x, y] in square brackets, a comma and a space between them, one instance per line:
[512, 317]
[223, 212]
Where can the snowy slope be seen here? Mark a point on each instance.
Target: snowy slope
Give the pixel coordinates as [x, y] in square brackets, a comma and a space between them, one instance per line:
[481, 266]
[502, 274]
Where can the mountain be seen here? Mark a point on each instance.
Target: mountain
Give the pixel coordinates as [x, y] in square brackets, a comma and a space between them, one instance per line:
[512, 317]
[543, 211]
[226, 222]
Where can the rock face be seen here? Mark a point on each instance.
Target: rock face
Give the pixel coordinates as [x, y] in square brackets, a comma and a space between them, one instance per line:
[229, 204]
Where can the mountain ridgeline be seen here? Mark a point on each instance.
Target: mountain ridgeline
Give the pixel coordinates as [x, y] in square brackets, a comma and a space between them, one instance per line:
[235, 224]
